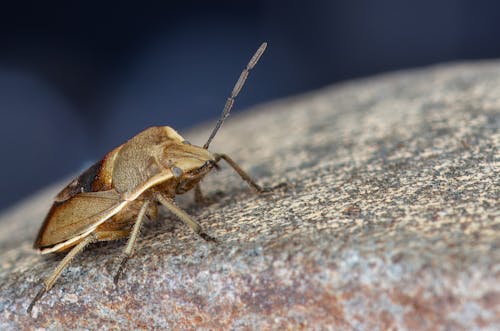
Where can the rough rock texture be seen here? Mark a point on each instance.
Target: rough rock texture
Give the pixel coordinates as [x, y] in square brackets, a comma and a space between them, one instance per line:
[391, 222]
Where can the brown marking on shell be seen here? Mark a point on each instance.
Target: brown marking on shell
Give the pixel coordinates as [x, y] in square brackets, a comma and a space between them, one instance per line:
[83, 183]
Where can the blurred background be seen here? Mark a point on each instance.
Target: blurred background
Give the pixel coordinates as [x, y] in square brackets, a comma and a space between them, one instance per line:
[78, 79]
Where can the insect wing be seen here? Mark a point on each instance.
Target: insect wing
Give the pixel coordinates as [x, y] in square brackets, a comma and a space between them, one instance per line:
[76, 216]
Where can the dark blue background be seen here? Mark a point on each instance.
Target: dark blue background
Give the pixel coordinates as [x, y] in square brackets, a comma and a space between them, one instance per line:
[78, 79]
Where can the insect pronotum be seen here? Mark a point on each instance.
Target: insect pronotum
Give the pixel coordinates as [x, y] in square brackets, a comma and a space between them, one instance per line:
[110, 200]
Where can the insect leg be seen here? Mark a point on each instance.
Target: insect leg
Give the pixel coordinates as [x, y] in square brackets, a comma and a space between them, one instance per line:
[183, 216]
[256, 187]
[198, 195]
[49, 281]
[129, 249]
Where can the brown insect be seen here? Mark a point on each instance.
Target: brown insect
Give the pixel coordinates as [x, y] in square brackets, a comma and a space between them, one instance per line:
[110, 199]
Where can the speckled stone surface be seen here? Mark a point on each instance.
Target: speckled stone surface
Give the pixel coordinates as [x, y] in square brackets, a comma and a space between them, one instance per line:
[391, 221]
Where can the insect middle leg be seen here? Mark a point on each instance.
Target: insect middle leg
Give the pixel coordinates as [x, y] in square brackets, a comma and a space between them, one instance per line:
[129, 249]
[49, 281]
[183, 216]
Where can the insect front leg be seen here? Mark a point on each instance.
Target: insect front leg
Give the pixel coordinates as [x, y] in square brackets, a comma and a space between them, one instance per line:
[129, 249]
[256, 187]
[49, 281]
[183, 216]
[198, 195]
[200, 198]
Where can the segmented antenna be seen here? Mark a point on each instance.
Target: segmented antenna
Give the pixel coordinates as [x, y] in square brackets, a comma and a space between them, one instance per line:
[236, 90]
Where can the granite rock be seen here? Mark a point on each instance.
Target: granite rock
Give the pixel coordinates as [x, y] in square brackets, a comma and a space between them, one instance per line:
[390, 221]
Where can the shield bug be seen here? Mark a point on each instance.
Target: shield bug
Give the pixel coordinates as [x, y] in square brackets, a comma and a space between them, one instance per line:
[110, 200]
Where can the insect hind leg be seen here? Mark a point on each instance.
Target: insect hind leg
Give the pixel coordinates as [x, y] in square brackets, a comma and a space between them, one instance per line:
[49, 281]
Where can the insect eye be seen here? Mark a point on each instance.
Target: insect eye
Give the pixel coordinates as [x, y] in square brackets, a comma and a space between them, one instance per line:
[177, 172]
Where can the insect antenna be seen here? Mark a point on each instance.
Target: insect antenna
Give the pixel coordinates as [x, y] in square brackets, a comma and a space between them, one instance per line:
[236, 90]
